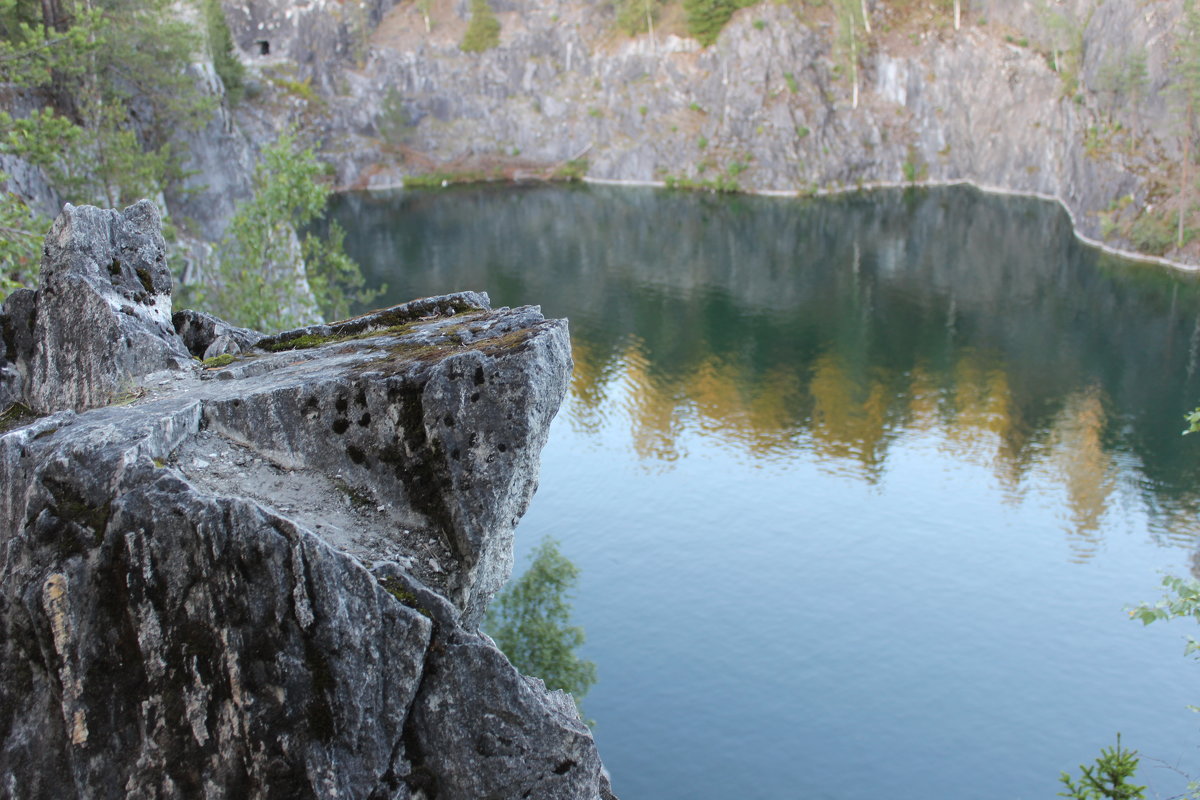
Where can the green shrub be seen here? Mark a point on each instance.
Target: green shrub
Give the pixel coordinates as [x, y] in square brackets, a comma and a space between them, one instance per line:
[483, 32]
[1152, 233]
[1107, 779]
[530, 622]
[259, 269]
[914, 167]
[574, 170]
[706, 18]
[439, 180]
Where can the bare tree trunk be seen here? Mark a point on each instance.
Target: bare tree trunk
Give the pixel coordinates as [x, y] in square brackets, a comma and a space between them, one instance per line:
[866, 16]
[957, 14]
[1185, 190]
[53, 16]
[650, 28]
[854, 64]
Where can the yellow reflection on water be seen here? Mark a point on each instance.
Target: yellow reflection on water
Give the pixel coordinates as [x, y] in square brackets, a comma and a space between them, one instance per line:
[589, 387]
[849, 414]
[1083, 467]
[756, 414]
[846, 416]
[654, 404]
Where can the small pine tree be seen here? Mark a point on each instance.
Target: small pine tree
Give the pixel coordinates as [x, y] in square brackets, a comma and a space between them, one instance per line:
[529, 621]
[483, 32]
[1107, 779]
[706, 18]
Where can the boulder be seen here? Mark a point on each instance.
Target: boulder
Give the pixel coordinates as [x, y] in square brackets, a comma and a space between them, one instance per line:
[102, 310]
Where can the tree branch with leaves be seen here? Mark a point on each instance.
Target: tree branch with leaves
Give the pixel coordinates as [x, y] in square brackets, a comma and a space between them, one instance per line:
[530, 622]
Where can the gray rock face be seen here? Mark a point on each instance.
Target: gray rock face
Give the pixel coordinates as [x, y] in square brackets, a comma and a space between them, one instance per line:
[768, 104]
[317, 37]
[262, 580]
[102, 312]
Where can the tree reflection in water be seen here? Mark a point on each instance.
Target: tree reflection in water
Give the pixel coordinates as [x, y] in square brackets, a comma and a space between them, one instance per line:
[835, 327]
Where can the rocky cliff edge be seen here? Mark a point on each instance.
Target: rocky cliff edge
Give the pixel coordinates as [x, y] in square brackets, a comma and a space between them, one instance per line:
[261, 576]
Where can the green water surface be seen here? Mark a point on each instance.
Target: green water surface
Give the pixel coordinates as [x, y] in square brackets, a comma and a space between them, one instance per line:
[861, 488]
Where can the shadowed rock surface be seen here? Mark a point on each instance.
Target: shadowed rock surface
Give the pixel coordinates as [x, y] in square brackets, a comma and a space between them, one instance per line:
[263, 580]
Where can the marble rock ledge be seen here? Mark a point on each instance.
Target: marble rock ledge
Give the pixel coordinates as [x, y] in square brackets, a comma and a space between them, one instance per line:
[264, 578]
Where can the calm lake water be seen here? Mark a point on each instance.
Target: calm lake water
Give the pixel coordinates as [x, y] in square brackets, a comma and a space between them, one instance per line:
[860, 488]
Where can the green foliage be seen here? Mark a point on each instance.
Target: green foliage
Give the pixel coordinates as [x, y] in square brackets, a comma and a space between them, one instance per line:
[262, 262]
[1061, 38]
[115, 89]
[21, 234]
[706, 18]
[1107, 779]
[1193, 420]
[637, 16]
[394, 123]
[223, 53]
[1188, 50]
[914, 167]
[483, 31]
[1152, 233]
[792, 85]
[530, 621]
[88, 66]
[570, 171]
[1122, 79]
[440, 180]
[216, 362]
[724, 183]
[300, 89]
[36, 55]
[335, 278]
[1183, 595]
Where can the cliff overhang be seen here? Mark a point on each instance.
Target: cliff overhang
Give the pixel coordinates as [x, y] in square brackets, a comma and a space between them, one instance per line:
[262, 577]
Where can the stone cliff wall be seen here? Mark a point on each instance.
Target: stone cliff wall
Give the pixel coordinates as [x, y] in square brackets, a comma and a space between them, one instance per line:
[768, 105]
[262, 579]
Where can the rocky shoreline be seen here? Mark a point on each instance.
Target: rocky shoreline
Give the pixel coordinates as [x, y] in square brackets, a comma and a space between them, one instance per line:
[767, 110]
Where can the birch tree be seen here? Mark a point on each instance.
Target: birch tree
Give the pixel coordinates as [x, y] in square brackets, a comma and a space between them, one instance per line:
[848, 40]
